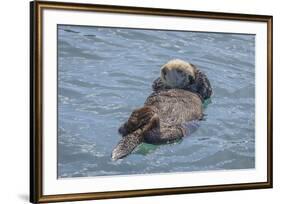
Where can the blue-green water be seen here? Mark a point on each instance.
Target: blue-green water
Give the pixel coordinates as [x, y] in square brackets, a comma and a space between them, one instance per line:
[105, 73]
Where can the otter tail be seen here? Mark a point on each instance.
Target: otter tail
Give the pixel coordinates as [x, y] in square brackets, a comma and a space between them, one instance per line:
[126, 145]
[140, 122]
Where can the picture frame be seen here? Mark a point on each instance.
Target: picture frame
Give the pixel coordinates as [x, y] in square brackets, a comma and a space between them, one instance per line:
[43, 20]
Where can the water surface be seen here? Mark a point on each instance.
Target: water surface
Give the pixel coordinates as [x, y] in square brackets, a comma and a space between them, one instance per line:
[105, 73]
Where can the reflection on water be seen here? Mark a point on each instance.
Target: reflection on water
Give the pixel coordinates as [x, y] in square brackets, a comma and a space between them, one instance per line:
[105, 73]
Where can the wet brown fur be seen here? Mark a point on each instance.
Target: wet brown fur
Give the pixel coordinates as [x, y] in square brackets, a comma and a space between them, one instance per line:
[159, 120]
[167, 110]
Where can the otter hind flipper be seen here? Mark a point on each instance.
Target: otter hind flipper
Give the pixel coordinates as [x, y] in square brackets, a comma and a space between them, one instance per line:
[137, 119]
[190, 127]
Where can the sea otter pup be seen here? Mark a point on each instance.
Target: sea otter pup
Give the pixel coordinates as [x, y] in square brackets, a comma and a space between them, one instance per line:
[166, 116]
[183, 75]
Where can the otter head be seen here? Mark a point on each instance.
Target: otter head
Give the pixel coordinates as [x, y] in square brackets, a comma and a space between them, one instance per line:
[177, 73]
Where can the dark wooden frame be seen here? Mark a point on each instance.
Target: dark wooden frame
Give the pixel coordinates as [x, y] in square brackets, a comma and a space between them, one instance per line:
[36, 101]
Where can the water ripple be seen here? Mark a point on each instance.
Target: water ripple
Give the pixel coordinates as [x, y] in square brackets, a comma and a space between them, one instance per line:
[105, 73]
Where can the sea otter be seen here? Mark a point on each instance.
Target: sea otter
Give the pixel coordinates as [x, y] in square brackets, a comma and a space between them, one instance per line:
[166, 116]
[183, 75]
[171, 112]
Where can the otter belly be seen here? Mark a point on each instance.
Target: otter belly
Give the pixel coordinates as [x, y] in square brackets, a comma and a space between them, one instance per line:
[178, 111]
[176, 106]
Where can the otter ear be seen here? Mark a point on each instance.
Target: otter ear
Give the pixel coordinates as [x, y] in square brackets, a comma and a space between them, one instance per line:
[193, 65]
[164, 71]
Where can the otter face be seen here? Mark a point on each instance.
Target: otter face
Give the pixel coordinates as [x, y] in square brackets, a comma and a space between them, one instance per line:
[177, 73]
